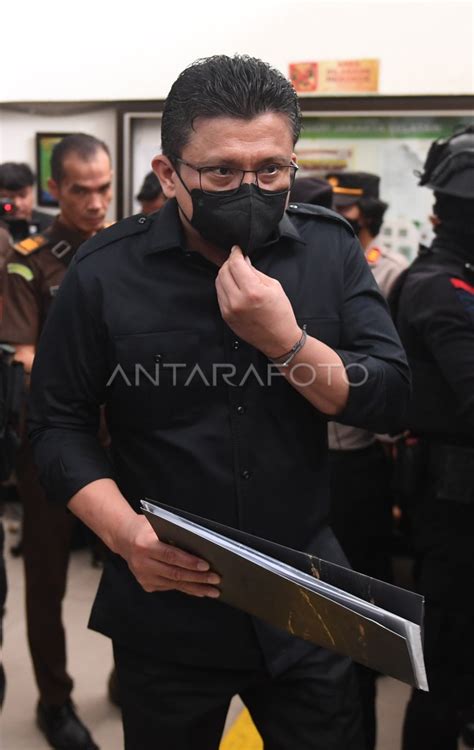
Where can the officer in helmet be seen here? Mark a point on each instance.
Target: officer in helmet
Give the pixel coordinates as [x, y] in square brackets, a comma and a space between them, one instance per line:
[435, 318]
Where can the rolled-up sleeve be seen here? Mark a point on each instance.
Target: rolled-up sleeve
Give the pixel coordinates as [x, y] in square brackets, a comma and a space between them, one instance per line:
[67, 390]
[371, 351]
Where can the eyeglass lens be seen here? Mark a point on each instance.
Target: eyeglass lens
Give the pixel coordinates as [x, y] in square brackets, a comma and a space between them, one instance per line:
[275, 178]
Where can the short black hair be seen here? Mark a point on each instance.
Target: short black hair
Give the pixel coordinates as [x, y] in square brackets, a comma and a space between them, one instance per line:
[82, 144]
[15, 176]
[222, 86]
[373, 211]
[150, 189]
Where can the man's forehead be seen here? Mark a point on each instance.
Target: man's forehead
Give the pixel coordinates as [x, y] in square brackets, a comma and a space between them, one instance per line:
[77, 169]
[270, 131]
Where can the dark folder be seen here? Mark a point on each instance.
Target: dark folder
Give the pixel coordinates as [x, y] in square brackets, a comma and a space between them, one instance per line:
[375, 623]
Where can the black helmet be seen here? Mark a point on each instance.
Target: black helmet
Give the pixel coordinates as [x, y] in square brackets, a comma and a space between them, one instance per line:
[449, 166]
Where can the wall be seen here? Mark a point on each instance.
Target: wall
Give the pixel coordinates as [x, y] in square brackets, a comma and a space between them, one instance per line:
[105, 52]
[97, 54]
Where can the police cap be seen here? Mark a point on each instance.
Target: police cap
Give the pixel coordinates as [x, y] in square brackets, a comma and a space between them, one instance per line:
[350, 187]
[312, 190]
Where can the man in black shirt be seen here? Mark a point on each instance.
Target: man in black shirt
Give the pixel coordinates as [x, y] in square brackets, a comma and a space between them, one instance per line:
[221, 334]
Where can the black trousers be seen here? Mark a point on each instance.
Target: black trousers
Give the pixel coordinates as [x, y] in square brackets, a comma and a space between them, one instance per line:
[361, 508]
[435, 719]
[361, 518]
[47, 531]
[443, 531]
[314, 705]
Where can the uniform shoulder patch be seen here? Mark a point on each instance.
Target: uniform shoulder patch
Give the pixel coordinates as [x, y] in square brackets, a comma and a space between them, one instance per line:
[318, 212]
[460, 284]
[373, 255]
[31, 244]
[119, 230]
[465, 294]
[21, 270]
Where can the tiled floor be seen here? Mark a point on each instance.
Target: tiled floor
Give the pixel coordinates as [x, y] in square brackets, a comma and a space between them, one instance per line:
[90, 661]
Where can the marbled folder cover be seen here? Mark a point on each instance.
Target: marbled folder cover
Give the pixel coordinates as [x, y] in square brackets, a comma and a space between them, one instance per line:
[300, 611]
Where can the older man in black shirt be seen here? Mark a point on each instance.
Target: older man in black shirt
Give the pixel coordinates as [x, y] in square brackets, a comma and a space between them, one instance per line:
[220, 334]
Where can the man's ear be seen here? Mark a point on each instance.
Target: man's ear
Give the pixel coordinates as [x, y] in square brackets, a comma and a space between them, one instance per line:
[53, 188]
[164, 170]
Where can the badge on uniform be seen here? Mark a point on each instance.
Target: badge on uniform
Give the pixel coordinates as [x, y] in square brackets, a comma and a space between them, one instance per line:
[373, 255]
[20, 270]
[465, 293]
[30, 244]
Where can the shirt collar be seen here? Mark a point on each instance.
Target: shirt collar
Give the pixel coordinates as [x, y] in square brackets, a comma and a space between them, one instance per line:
[286, 228]
[167, 231]
[60, 232]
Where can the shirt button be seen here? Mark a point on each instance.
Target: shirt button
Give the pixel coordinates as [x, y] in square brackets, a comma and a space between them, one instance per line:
[158, 358]
[241, 410]
[142, 219]
[236, 345]
[245, 474]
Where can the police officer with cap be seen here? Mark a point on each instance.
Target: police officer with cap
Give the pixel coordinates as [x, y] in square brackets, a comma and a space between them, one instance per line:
[435, 317]
[361, 502]
[356, 197]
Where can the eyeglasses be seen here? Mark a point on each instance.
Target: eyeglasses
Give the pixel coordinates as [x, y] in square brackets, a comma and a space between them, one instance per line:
[273, 178]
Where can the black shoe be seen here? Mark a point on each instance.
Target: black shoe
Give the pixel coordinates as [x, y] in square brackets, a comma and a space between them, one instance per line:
[113, 688]
[63, 728]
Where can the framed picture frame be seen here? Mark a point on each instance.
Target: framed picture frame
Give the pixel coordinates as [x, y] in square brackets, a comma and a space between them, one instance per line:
[45, 143]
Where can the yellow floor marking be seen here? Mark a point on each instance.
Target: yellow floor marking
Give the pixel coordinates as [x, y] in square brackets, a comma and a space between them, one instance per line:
[242, 735]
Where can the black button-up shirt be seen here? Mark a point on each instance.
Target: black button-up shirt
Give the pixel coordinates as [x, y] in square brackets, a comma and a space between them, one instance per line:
[198, 418]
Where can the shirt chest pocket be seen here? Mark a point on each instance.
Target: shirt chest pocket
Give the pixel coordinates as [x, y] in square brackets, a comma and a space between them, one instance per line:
[327, 330]
[152, 376]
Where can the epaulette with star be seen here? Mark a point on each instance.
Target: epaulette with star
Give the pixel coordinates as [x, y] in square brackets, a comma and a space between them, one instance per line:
[31, 244]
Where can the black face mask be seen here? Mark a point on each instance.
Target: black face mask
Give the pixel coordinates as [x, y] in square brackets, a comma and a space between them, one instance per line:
[246, 218]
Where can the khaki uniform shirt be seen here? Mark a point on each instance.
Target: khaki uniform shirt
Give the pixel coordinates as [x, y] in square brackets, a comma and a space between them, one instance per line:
[5, 246]
[386, 265]
[34, 270]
